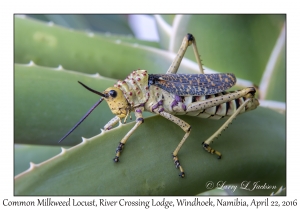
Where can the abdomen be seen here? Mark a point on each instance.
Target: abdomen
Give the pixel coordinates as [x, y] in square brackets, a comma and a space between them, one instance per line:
[216, 112]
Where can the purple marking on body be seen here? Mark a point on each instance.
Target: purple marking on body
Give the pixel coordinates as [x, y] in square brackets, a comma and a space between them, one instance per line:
[174, 103]
[154, 106]
[161, 110]
[160, 102]
[157, 105]
[176, 100]
[138, 110]
[183, 106]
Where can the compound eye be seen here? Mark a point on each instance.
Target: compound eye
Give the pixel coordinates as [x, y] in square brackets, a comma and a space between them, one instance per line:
[113, 93]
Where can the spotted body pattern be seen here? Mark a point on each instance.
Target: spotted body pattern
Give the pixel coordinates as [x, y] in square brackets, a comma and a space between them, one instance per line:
[201, 95]
[143, 90]
[135, 88]
[219, 111]
[193, 84]
[139, 86]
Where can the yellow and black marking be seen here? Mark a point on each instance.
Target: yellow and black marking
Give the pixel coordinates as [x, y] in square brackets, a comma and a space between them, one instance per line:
[249, 102]
[177, 165]
[210, 102]
[186, 128]
[210, 150]
[139, 120]
[192, 84]
[118, 152]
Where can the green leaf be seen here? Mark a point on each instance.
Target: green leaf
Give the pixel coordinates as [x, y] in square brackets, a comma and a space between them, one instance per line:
[250, 152]
[53, 46]
[168, 18]
[24, 154]
[116, 24]
[277, 88]
[164, 29]
[240, 44]
[49, 102]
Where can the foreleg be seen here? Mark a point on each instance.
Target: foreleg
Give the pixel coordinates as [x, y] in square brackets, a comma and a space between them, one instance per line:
[111, 123]
[139, 120]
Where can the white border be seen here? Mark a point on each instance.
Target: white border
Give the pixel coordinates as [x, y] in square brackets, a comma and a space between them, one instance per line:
[154, 6]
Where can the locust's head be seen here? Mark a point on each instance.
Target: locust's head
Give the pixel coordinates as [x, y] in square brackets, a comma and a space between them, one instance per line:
[115, 99]
[116, 102]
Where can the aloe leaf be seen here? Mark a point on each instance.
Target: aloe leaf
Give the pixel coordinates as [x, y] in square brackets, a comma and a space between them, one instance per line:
[49, 102]
[276, 89]
[130, 40]
[113, 27]
[116, 24]
[164, 29]
[169, 18]
[24, 154]
[51, 45]
[240, 44]
[251, 151]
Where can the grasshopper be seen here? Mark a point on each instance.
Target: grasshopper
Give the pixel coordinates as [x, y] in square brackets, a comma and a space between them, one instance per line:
[201, 95]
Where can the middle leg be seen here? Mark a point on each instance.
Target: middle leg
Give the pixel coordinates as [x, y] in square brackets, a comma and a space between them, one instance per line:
[186, 128]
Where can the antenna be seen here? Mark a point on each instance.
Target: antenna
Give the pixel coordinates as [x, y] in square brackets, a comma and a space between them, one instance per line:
[87, 114]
